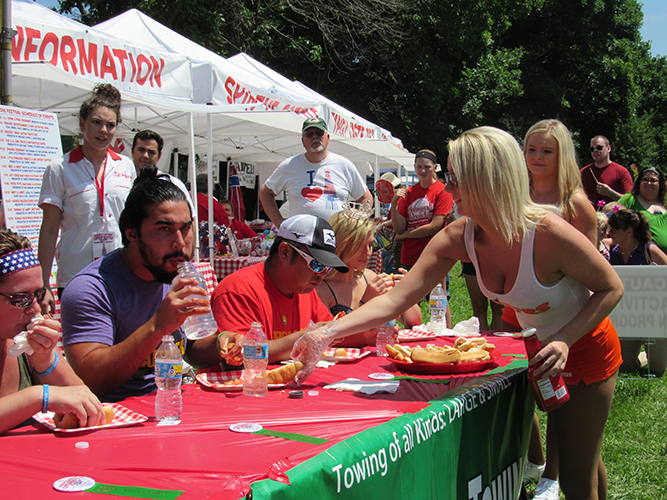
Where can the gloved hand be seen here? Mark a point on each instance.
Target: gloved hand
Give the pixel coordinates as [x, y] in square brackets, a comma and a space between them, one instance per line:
[309, 349]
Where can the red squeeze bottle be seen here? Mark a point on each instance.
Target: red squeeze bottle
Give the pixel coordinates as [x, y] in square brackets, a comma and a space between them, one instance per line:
[550, 393]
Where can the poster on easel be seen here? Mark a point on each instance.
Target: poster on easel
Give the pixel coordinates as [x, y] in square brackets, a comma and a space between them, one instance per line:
[29, 141]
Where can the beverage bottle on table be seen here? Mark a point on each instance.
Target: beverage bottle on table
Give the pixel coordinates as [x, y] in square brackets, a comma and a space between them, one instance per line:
[551, 392]
[203, 325]
[255, 360]
[438, 302]
[168, 373]
[386, 335]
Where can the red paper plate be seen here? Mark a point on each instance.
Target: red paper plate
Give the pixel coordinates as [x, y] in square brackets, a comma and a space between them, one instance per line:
[445, 368]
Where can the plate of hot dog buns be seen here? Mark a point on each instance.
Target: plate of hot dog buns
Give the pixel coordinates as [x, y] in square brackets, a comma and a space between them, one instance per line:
[233, 380]
[466, 356]
[115, 414]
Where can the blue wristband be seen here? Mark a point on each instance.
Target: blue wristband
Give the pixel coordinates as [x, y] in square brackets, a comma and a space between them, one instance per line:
[50, 368]
[45, 398]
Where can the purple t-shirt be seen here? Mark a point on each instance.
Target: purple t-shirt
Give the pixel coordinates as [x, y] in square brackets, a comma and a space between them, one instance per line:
[105, 303]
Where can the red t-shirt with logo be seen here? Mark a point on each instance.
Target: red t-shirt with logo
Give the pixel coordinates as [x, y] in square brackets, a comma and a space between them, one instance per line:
[249, 295]
[418, 207]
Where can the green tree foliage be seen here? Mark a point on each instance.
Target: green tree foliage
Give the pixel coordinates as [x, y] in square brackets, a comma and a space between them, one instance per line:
[428, 69]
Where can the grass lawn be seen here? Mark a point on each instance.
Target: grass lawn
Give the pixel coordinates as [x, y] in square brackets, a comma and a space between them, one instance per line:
[635, 445]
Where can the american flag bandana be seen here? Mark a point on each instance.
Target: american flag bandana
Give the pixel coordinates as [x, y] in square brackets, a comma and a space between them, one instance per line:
[17, 261]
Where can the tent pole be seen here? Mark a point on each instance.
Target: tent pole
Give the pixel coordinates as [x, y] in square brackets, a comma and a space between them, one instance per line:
[375, 180]
[192, 170]
[7, 34]
[209, 169]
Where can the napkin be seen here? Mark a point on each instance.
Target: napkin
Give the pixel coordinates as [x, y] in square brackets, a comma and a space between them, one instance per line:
[356, 385]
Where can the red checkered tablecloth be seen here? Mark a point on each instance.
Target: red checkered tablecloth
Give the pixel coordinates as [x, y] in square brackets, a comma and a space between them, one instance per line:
[224, 266]
[209, 275]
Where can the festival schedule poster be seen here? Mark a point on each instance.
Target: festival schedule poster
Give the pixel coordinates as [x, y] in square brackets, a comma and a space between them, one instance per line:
[29, 141]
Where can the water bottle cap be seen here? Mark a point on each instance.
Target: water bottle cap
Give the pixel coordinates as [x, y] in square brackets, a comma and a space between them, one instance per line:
[168, 338]
[256, 324]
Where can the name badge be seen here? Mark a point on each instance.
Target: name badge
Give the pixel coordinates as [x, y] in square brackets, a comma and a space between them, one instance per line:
[103, 243]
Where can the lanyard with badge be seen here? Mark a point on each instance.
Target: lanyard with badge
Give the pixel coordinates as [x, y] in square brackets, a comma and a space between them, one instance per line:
[104, 241]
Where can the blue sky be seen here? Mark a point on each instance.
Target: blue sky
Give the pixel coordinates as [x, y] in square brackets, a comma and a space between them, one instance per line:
[654, 29]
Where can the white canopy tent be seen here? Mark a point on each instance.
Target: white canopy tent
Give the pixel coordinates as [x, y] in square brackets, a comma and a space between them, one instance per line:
[243, 80]
[195, 99]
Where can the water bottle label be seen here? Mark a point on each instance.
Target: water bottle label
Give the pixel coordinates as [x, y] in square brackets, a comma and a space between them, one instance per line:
[257, 351]
[438, 303]
[166, 369]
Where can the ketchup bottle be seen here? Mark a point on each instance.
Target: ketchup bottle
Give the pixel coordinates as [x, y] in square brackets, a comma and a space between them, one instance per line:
[550, 393]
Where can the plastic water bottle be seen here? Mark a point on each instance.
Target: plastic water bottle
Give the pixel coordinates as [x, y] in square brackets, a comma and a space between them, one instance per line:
[255, 360]
[550, 393]
[203, 325]
[168, 373]
[438, 303]
[386, 335]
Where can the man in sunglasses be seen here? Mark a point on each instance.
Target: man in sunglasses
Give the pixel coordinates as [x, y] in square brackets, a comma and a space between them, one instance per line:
[280, 292]
[604, 180]
[316, 182]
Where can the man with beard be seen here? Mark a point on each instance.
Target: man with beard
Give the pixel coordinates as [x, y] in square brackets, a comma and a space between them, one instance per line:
[316, 182]
[280, 292]
[117, 309]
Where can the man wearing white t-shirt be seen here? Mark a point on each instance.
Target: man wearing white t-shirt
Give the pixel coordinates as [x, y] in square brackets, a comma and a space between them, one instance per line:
[316, 182]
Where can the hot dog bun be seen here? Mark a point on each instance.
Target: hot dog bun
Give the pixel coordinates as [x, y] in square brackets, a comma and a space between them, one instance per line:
[435, 354]
[66, 421]
[70, 421]
[474, 355]
[284, 374]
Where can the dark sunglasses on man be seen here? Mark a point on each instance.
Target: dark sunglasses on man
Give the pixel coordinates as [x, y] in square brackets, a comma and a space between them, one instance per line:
[597, 148]
[25, 299]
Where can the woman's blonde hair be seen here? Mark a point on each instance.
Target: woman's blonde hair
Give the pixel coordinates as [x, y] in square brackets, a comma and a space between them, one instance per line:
[351, 235]
[569, 177]
[493, 179]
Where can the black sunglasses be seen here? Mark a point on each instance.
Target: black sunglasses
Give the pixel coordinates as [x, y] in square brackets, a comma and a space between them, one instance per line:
[598, 147]
[25, 299]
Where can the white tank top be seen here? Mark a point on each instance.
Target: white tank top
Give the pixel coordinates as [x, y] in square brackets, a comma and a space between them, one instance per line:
[546, 308]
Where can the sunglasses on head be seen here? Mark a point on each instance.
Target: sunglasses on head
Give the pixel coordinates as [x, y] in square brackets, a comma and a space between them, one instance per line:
[25, 299]
[313, 265]
[597, 148]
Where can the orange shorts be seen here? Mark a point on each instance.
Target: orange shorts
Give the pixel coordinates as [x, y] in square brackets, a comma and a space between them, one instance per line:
[594, 357]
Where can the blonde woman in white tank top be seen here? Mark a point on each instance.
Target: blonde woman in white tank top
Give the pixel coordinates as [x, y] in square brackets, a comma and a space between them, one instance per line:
[488, 179]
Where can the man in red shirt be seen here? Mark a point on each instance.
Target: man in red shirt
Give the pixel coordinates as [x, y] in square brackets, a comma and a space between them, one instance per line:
[219, 214]
[604, 179]
[280, 292]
